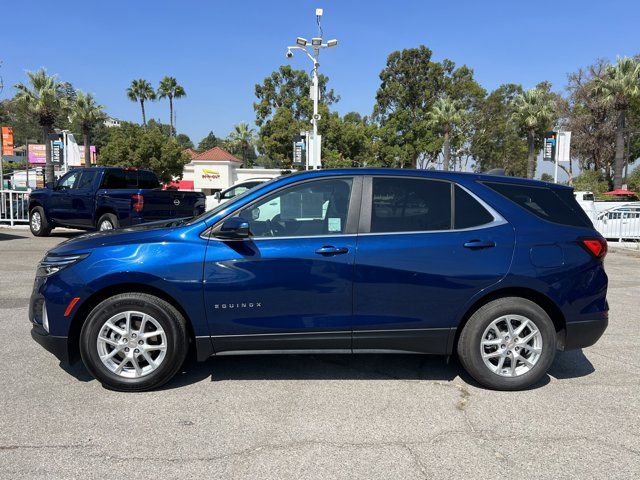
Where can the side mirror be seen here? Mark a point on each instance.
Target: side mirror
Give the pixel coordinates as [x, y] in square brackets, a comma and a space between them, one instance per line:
[234, 228]
[217, 196]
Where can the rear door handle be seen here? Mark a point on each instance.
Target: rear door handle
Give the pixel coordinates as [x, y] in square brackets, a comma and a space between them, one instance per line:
[331, 250]
[480, 244]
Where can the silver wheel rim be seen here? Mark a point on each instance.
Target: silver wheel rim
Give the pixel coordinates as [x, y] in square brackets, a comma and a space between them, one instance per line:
[106, 225]
[511, 345]
[132, 344]
[36, 221]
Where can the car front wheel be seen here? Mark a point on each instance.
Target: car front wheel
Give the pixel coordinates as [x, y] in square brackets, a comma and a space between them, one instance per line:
[134, 342]
[508, 344]
[108, 221]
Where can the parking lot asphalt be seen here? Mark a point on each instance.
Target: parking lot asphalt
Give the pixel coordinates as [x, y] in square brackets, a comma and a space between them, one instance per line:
[318, 416]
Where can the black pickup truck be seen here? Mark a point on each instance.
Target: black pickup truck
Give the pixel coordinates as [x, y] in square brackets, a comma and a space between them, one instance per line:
[105, 198]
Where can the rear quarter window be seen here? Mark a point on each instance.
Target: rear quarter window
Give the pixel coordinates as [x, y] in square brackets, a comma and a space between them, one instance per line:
[553, 205]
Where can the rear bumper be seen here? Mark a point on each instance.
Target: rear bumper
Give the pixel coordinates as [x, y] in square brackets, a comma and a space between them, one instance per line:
[584, 333]
[57, 345]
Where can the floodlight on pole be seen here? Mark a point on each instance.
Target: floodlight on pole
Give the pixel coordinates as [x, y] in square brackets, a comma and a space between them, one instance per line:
[317, 45]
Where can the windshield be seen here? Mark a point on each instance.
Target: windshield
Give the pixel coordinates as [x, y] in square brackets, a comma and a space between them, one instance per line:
[222, 206]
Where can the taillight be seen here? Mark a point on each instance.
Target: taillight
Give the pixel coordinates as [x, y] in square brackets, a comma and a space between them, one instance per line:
[137, 202]
[596, 246]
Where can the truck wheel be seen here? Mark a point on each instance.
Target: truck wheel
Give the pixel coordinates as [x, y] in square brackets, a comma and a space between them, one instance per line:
[108, 221]
[38, 222]
[133, 342]
[508, 344]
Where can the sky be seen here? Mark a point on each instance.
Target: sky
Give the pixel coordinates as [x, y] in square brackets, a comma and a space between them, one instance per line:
[219, 50]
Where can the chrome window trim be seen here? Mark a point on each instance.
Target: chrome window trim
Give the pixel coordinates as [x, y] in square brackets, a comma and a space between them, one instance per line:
[498, 219]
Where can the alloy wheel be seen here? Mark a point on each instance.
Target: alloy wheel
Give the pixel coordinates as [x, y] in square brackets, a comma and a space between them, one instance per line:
[132, 344]
[36, 221]
[511, 345]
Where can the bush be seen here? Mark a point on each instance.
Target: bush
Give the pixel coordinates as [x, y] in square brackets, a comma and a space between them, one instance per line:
[592, 181]
[633, 181]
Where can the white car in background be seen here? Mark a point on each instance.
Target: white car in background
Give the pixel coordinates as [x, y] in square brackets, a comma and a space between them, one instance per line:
[233, 191]
[586, 200]
[621, 223]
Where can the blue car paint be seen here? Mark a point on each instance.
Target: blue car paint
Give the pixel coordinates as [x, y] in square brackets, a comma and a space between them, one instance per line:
[412, 282]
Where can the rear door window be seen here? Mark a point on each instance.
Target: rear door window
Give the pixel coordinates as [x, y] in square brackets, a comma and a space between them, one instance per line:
[410, 205]
[551, 204]
[469, 212]
[147, 180]
[120, 179]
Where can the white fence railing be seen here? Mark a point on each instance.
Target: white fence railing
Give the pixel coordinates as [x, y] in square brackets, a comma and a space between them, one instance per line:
[619, 228]
[14, 207]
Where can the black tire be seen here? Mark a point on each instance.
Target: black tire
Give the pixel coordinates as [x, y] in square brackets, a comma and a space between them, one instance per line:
[45, 228]
[107, 218]
[469, 343]
[171, 321]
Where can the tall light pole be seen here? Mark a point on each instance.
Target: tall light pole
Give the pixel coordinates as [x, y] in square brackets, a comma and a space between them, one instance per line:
[316, 45]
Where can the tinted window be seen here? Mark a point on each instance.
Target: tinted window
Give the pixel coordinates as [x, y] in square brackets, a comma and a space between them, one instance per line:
[120, 179]
[69, 181]
[408, 204]
[468, 211]
[554, 205]
[319, 207]
[86, 179]
[147, 180]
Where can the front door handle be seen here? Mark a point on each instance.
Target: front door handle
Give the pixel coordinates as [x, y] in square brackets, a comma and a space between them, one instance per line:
[473, 244]
[331, 250]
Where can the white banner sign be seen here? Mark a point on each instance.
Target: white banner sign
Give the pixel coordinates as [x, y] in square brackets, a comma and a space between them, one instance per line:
[563, 147]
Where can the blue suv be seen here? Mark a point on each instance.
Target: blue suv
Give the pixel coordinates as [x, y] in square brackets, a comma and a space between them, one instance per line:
[501, 271]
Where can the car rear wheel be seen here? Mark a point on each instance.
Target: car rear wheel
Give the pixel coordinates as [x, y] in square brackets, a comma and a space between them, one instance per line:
[38, 223]
[508, 344]
[134, 342]
[108, 221]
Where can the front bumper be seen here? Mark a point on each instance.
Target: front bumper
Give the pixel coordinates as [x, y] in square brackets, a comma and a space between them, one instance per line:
[59, 346]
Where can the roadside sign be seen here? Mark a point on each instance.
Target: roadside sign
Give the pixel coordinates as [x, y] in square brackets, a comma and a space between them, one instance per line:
[549, 150]
[7, 141]
[57, 148]
[299, 150]
[563, 147]
[37, 154]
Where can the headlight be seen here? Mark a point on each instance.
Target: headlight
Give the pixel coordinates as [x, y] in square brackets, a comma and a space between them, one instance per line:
[51, 264]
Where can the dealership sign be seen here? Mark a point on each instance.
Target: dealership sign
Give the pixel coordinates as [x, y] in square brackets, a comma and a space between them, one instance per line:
[7, 141]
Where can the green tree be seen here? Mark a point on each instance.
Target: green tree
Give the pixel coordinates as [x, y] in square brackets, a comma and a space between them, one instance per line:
[131, 145]
[410, 84]
[184, 140]
[496, 141]
[347, 141]
[87, 114]
[619, 87]
[447, 115]
[283, 109]
[170, 89]
[243, 139]
[591, 121]
[633, 181]
[45, 101]
[534, 111]
[591, 181]
[141, 91]
[208, 142]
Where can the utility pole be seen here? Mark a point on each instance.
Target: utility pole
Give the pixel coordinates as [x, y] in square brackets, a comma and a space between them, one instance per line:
[314, 146]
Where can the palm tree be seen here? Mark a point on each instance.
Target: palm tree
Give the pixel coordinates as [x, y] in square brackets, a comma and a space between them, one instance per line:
[619, 86]
[447, 114]
[140, 91]
[242, 136]
[533, 111]
[170, 89]
[44, 99]
[88, 114]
